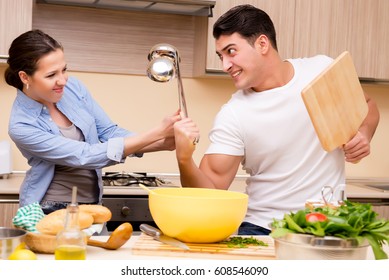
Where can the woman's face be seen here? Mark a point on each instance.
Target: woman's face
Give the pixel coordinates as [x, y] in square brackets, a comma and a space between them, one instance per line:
[46, 85]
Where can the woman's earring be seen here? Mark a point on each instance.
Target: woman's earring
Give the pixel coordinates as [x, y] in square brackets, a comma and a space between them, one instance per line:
[27, 86]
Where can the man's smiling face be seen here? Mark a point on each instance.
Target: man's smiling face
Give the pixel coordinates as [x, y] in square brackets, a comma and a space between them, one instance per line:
[241, 60]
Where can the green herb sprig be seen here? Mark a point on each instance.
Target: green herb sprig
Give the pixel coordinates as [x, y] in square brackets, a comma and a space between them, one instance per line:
[243, 242]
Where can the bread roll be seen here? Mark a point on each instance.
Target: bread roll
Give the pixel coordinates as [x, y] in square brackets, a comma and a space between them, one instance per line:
[100, 213]
[54, 222]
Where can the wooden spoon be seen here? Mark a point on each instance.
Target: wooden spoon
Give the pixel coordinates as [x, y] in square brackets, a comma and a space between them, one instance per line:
[117, 239]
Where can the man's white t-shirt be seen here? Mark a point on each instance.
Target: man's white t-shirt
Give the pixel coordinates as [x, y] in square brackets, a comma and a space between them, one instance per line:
[281, 151]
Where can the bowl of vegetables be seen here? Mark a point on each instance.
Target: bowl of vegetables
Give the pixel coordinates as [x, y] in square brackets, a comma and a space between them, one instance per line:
[344, 232]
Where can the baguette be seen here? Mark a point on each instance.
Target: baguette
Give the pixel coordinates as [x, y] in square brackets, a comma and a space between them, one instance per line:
[100, 213]
[54, 222]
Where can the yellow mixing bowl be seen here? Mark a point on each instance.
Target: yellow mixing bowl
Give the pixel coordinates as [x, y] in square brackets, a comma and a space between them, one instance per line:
[197, 215]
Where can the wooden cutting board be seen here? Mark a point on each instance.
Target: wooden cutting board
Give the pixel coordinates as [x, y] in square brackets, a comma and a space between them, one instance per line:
[336, 103]
[146, 245]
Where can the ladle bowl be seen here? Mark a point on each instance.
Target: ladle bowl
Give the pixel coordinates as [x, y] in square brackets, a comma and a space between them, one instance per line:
[161, 69]
[163, 49]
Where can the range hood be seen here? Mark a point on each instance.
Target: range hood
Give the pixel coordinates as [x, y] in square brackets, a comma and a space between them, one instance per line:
[184, 7]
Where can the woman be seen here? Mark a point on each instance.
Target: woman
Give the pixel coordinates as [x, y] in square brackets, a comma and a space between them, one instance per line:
[63, 133]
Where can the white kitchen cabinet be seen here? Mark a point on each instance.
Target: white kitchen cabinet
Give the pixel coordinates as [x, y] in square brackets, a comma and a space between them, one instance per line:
[15, 18]
[332, 26]
[280, 11]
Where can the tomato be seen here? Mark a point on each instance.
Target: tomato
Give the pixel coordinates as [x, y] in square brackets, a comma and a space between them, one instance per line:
[315, 217]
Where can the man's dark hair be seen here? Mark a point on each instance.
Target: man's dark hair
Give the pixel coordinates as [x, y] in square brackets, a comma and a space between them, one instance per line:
[248, 21]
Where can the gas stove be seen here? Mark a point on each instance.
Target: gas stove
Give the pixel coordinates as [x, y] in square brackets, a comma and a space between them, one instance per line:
[127, 201]
[132, 180]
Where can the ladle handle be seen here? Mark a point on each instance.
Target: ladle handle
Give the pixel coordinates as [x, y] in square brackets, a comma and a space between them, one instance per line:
[181, 96]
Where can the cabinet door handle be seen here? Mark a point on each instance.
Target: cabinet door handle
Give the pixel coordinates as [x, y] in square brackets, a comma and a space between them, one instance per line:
[9, 201]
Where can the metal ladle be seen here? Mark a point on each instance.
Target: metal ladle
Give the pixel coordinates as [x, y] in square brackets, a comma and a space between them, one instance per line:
[164, 66]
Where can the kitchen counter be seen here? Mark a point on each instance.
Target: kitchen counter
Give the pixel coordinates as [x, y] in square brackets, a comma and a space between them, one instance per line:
[354, 187]
[10, 187]
[96, 253]
[126, 253]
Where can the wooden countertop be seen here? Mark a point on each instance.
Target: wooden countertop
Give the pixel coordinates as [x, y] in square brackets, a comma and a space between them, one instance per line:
[11, 185]
[127, 252]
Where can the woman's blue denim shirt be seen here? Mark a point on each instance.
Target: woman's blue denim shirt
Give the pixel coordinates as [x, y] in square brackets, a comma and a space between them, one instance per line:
[39, 140]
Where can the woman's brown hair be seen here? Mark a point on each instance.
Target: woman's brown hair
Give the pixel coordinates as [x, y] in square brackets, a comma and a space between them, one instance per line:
[25, 52]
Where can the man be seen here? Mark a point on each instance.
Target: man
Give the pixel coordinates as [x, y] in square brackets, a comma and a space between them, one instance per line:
[265, 126]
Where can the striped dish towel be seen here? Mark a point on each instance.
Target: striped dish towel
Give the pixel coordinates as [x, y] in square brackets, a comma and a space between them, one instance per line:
[28, 216]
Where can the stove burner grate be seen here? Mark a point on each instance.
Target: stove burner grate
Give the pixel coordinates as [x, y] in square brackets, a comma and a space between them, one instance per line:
[129, 179]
